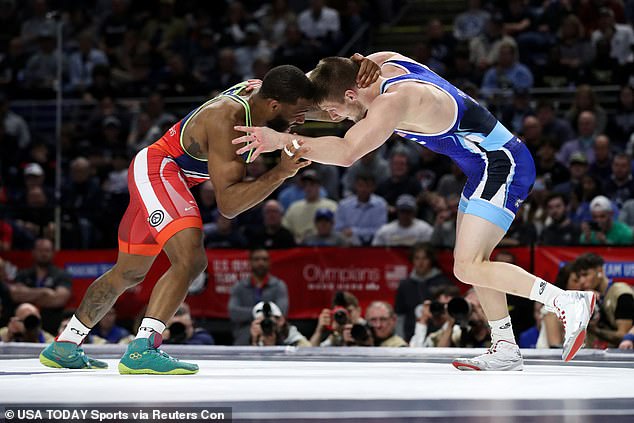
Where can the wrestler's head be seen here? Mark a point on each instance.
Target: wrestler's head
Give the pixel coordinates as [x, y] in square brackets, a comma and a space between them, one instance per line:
[288, 94]
[335, 80]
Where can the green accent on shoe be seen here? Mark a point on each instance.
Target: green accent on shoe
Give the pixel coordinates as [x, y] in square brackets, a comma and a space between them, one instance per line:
[143, 357]
[67, 355]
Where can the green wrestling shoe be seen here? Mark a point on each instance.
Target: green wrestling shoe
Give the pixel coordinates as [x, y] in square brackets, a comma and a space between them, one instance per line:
[68, 355]
[143, 357]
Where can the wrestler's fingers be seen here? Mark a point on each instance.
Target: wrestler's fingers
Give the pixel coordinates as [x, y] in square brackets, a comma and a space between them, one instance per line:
[244, 128]
[248, 148]
[243, 139]
[303, 164]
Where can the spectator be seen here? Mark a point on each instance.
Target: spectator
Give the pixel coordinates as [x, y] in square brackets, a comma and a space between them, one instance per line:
[45, 285]
[336, 324]
[620, 37]
[299, 218]
[523, 229]
[484, 49]
[406, 230]
[553, 127]
[270, 327]
[225, 234]
[602, 166]
[547, 168]
[182, 330]
[325, 235]
[603, 230]
[41, 69]
[361, 215]
[470, 24]
[25, 326]
[559, 229]
[294, 191]
[35, 219]
[382, 320]
[321, 25]
[444, 234]
[12, 65]
[587, 130]
[6, 303]
[370, 164]
[82, 63]
[226, 75]
[108, 329]
[432, 315]
[451, 183]
[274, 19]
[247, 292]
[115, 25]
[465, 326]
[400, 181]
[508, 73]
[81, 200]
[253, 47]
[14, 124]
[177, 79]
[295, 50]
[586, 101]
[578, 166]
[620, 187]
[532, 135]
[271, 234]
[514, 115]
[626, 214]
[424, 279]
[32, 26]
[6, 236]
[441, 44]
[616, 303]
[576, 53]
[621, 122]
[165, 30]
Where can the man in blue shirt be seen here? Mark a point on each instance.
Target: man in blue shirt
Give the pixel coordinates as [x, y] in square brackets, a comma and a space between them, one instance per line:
[363, 214]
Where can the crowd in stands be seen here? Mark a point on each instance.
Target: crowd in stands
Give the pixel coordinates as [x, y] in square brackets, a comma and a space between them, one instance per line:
[399, 195]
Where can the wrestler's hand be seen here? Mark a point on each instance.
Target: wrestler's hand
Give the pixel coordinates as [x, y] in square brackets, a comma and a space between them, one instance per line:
[291, 159]
[252, 84]
[260, 139]
[368, 70]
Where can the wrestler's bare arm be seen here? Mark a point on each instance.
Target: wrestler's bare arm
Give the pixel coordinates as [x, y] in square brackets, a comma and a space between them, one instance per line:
[227, 169]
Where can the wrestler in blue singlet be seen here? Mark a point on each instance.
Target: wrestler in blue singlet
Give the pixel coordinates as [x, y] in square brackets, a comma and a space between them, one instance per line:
[500, 170]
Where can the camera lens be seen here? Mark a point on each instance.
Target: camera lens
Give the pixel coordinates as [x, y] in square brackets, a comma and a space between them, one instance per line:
[436, 308]
[267, 326]
[31, 322]
[341, 317]
[359, 333]
[459, 309]
[178, 333]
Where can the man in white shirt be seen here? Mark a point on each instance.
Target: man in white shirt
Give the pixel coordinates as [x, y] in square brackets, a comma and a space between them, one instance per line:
[406, 230]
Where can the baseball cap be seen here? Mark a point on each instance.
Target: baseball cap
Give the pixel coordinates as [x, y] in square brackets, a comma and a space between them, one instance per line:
[33, 169]
[111, 121]
[258, 309]
[578, 157]
[310, 175]
[600, 203]
[405, 202]
[324, 214]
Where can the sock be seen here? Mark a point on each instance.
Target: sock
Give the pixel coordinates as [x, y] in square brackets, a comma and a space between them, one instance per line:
[544, 292]
[74, 332]
[149, 326]
[502, 330]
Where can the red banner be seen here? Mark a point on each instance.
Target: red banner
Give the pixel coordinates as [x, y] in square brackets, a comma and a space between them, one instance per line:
[312, 275]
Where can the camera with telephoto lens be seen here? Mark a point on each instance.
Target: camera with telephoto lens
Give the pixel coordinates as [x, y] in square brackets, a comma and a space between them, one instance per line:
[339, 312]
[267, 324]
[362, 334]
[31, 322]
[460, 310]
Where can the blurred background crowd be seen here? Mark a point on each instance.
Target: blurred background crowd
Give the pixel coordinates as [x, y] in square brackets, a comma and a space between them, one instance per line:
[558, 73]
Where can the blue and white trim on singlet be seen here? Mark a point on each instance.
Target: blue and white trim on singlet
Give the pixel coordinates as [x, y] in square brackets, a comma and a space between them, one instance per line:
[500, 170]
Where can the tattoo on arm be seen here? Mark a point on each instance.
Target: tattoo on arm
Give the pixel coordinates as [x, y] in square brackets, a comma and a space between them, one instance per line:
[194, 147]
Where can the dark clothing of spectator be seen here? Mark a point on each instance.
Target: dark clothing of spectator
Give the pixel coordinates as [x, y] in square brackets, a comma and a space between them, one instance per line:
[562, 233]
[619, 193]
[390, 189]
[279, 238]
[51, 317]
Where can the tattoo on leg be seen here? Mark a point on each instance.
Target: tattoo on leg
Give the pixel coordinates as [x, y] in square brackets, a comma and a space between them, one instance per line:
[99, 298]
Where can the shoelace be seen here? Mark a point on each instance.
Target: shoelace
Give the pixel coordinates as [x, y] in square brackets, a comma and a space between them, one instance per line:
[163, 354]
[79, 353]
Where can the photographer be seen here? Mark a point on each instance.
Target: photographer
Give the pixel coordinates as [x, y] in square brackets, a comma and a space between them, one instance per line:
[382, 319]
[466, 324]
[181, 330]
[269, 327]
[334, 323]
[432, 315]
[612, 319]
[603, 229]
[25, 326]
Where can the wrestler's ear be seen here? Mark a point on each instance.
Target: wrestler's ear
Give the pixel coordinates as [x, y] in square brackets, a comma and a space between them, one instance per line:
[350, 95]
[274, 106]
